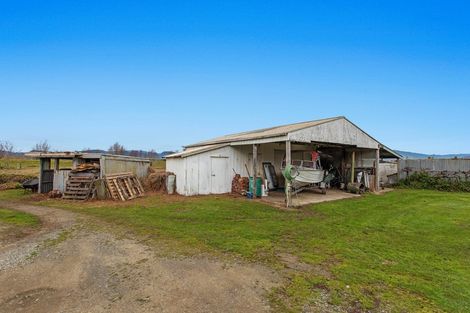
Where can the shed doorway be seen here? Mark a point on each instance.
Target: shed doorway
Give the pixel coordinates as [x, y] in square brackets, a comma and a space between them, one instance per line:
[219, 174]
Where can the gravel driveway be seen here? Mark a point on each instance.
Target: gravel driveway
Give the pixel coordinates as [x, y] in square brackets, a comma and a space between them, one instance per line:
[67, 267]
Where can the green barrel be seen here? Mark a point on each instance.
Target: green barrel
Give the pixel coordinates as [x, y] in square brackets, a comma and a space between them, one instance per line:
[259, 182]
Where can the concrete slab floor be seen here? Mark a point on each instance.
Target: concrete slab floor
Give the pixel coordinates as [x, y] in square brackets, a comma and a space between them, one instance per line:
[277, 198]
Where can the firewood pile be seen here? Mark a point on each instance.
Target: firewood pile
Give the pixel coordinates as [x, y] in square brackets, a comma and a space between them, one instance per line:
[124, 186]
[240, 184]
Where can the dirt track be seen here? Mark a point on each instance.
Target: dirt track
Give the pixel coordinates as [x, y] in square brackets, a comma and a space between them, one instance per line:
[66, 267]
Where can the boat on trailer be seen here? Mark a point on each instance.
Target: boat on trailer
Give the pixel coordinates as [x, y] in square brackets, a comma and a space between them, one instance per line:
[305, 174]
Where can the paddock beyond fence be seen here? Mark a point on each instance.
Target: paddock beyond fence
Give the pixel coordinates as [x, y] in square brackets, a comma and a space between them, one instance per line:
[458, 169]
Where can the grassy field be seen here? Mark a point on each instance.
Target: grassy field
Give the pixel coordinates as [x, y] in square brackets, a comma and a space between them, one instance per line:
[19, 166]
[405, 251]
[25, 166]
[159, 164]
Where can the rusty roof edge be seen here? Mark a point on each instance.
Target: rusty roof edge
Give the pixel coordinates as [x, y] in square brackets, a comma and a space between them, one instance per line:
[201, 149]
[228, 140]
[52, 155]
[126, 157]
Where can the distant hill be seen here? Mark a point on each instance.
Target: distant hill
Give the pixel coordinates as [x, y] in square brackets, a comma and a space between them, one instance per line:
[415, 155]
[137, 153]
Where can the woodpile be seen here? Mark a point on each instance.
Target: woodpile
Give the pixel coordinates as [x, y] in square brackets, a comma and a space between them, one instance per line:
[240, 184]
[156, 181]
[124, 186]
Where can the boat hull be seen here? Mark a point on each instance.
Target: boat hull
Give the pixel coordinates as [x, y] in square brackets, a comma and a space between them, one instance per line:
[307, 176]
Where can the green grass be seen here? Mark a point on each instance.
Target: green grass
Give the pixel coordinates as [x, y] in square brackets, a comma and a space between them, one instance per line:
[14, 194]
[159, 164]
[405, 251]
[16, 218]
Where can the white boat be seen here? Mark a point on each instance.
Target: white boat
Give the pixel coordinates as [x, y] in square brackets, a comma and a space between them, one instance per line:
[306, 173]
[307, 176]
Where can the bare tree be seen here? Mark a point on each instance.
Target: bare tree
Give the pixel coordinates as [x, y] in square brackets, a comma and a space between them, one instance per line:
[42, 146]
[135, 153]
[117, 148]
[152, 154]
[6, 148]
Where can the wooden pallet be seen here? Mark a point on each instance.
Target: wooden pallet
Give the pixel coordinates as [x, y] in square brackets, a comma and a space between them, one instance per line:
[124, 186]
[79, 186]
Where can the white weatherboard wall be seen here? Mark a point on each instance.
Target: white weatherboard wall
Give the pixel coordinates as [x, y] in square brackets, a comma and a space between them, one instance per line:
[194, 174]
[340, 131]
[202, 173]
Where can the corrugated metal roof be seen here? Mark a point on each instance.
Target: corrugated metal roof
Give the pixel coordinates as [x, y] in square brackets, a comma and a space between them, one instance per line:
[82, 155]
[386, 152]
[191, 151]
[264, 133]
[62, 155]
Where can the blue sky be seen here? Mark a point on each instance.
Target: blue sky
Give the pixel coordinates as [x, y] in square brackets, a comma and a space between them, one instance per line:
[161, 74]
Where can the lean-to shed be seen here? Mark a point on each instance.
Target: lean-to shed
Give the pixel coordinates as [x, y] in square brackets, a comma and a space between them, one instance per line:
[53, 176]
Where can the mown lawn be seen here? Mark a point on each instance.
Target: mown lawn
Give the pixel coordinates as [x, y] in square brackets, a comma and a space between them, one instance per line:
[405, 251]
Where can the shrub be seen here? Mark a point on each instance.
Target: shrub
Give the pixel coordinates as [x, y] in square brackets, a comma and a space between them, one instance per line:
[423, 180]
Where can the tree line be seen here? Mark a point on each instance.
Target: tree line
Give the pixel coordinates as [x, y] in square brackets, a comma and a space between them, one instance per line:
[8, 149]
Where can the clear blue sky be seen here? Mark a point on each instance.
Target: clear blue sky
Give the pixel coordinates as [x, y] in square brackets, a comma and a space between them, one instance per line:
[161, 74]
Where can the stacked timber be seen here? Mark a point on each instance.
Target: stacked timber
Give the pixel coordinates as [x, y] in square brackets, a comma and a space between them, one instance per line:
[79, 186]
[240, 184]
[124, 186]
[87, 167]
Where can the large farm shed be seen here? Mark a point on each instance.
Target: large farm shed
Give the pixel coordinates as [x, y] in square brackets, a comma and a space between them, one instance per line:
[208, 167]
[53, 175]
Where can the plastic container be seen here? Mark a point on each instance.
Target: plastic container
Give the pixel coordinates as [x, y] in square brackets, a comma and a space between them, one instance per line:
[259, 182]
[170, 184]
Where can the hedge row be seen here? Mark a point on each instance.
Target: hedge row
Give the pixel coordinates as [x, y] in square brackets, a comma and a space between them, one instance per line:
[422, 180]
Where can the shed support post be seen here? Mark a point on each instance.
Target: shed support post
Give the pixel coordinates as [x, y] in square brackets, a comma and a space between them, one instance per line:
[288, 187]
[40, 175]
[353, 165]
[44, 164]
[56, 165]
[75, 163]
[377, 169]
[255, 168]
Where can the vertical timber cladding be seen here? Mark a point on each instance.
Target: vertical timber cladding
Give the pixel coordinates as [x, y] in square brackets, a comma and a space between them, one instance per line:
[111, 164]
[433, 166]
[339, 131]
[194, 172]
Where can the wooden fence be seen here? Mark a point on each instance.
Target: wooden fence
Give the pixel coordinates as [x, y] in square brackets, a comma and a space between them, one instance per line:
[447, 168]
